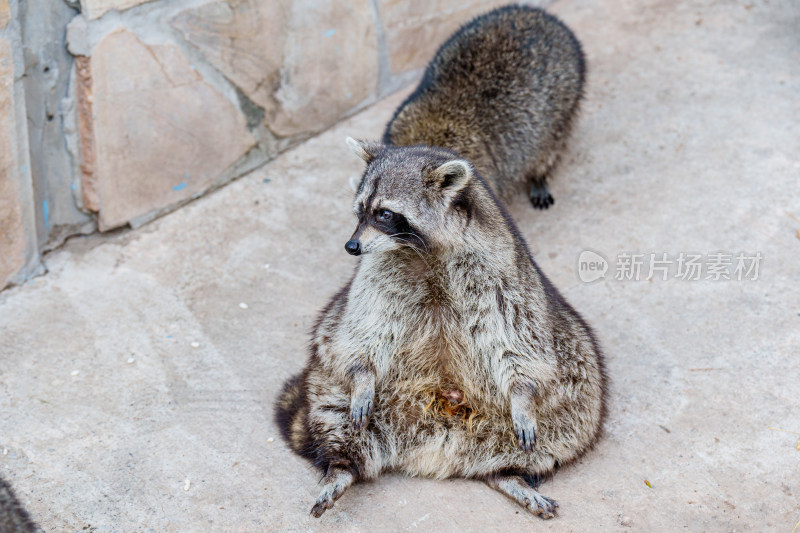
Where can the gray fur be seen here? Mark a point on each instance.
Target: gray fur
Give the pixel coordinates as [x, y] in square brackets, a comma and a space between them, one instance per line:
[13, 517]
[502, 92]
[449, 353]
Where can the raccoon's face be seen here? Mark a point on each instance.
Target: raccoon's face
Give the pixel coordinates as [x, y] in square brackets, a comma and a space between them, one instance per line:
[408, 197]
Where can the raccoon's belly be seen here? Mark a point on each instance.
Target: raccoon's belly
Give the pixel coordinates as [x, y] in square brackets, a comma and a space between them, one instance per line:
[440, 433]
[429, 437]
[430, 362]
[435, 423]
[439, 407]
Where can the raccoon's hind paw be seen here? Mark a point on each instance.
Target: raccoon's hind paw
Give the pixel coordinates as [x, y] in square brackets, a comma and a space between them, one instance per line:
[525, 428]
[541, 505]
[324, 502]
[361, 409]
[540, 197]
[515, 488]
[336, 482]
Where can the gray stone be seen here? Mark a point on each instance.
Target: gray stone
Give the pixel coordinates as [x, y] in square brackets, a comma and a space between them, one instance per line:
[306, 63]
[48, 66]
[5, 13]
[18, 254]
[12, 227]
[78, 36]
[97, 8]
[161, 134]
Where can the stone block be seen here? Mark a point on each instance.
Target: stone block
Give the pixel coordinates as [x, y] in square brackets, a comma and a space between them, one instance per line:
[5, 13]
[415, 29]
[306, 63]
[13, 241]
[93, 9]
[161, 133]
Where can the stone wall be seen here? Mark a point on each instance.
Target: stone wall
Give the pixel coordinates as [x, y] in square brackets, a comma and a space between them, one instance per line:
[19, 255]
[131, 108]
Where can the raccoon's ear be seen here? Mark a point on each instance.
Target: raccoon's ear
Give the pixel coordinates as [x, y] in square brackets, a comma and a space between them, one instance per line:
[451, 177]
[363, 149]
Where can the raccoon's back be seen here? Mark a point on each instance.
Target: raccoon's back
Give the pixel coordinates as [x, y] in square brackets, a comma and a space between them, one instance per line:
[508, 79]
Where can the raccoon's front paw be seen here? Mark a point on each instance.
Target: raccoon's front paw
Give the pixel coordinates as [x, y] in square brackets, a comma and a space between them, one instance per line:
[525, 428]
[361, 408]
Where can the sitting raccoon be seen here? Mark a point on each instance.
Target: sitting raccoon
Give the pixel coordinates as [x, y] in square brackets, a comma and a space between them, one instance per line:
[502, 92]
[449, 353]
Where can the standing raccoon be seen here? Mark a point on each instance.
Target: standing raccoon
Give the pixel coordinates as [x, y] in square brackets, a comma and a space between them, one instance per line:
[502, 92]
[449, 353]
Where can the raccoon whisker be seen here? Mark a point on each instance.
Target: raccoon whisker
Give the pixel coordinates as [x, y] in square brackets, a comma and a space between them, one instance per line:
[425, 259]
[407, 244]
[424, 246]
[411, 235]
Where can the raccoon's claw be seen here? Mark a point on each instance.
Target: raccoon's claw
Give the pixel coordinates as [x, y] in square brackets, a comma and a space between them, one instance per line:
[526, 438]
[336, 482]
[517, 489]
[360, 412]
[525, 428]
[540, 197]
[362, 401]
[542, 506]
[322, 505]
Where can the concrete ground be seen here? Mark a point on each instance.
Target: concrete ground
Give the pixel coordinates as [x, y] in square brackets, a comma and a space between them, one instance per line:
[137, 378]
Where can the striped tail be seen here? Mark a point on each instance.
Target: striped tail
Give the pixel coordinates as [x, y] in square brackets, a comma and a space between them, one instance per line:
[290, 414]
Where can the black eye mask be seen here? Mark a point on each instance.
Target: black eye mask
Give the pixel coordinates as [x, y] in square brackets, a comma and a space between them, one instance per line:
[398, 228]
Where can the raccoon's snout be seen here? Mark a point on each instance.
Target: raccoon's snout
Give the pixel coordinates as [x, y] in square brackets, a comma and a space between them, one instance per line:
[353, 247]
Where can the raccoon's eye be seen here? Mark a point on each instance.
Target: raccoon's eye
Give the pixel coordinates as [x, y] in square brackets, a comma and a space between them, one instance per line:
[384, 215]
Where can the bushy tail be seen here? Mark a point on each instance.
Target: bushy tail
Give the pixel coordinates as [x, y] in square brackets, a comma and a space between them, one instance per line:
[290, 414]
[13, 517]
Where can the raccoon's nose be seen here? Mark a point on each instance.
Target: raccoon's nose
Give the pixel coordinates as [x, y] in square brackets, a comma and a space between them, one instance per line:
[353, 247]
